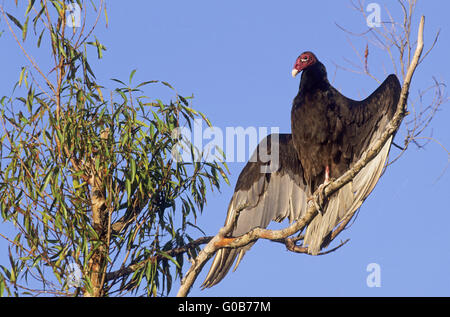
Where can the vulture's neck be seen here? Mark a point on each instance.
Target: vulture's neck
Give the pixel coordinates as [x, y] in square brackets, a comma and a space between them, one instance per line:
[314, 78]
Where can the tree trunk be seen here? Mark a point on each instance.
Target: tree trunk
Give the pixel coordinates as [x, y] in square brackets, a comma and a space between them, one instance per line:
[100, 221]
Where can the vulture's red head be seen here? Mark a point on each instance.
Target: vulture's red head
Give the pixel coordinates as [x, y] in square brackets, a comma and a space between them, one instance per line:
[305, 60]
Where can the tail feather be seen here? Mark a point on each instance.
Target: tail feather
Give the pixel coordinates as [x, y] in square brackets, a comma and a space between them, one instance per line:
[222, 263]
[347, 200]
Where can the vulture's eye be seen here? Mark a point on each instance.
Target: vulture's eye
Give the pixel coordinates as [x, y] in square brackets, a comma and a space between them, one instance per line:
[304, 59]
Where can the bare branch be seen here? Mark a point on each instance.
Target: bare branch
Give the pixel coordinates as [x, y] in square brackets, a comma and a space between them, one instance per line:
[133, 267]
[29, 57]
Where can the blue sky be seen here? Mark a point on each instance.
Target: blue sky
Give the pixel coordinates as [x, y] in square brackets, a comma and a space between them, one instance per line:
[236, 58]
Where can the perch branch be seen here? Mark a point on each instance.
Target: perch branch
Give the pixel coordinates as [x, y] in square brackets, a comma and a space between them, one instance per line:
[173, 252]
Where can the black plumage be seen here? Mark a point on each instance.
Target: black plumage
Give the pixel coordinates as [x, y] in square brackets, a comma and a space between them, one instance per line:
[330, 132]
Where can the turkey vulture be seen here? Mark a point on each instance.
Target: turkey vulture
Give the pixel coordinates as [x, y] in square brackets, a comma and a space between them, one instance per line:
[330, 132]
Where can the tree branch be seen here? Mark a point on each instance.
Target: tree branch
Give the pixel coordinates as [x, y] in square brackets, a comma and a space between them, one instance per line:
[173, 252]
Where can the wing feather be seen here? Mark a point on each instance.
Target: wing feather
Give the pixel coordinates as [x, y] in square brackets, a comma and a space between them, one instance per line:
[369, 118]
[274, 196]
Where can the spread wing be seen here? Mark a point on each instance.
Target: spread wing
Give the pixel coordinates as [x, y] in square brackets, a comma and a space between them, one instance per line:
[270, 187]
[365, 121]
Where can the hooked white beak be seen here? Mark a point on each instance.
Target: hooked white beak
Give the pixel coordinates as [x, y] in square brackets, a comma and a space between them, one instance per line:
[294, 72]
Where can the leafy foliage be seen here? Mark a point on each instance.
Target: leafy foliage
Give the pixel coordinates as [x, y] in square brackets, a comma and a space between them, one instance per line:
[90, 180]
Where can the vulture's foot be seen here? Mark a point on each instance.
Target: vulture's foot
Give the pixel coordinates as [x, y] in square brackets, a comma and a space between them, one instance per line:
[319, 201]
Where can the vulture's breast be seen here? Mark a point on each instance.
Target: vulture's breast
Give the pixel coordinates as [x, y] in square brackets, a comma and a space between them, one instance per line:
[318, 132]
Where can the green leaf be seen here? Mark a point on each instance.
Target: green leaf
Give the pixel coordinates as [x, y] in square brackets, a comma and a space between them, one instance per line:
[47, 179]
[61, 50]
[122, 94]
[16, 22]
[97, 163]
[2, 286]
[24, 29]
[119, 81]
[40, 38]
[6, 271]
[164, 254]
[29, 102]
[128, 186]
[106, 17]
[132, 74]
[133, 169]
[21, 76]
[36, 18]
[166, 84]
[146, 83]
[142, 123]
[100, 116]
[58, 7]
[99, 46]
[30, 5]
[88, 68]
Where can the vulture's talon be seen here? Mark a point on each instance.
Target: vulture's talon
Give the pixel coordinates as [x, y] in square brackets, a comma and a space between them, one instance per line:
[318, 206]
[317, 201]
